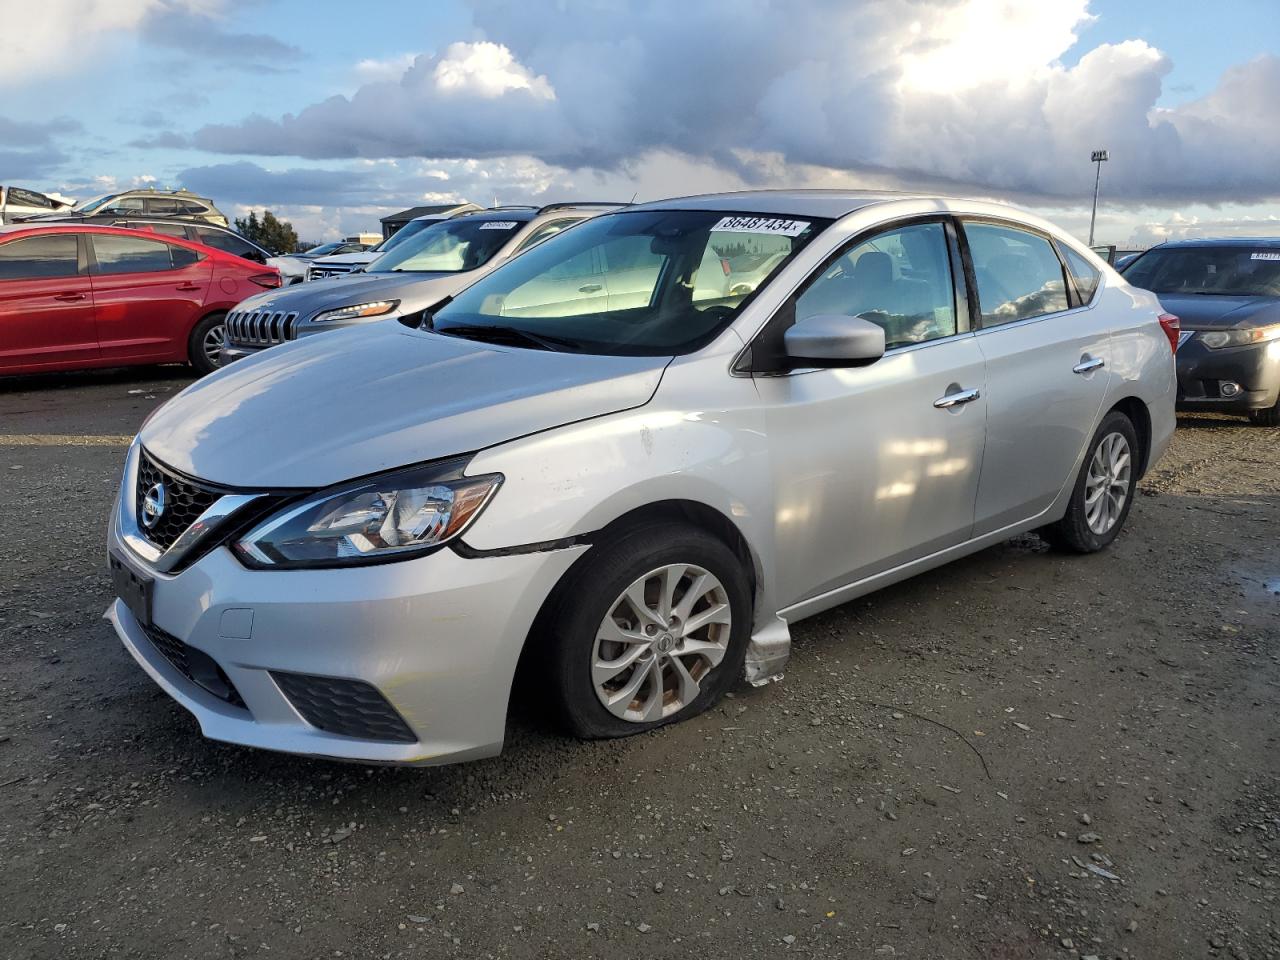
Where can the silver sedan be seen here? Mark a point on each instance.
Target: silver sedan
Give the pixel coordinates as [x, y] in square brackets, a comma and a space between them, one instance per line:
[606, 471]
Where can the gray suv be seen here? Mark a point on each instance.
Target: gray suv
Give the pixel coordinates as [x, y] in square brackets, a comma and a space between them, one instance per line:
[138, 204]
[438, 262]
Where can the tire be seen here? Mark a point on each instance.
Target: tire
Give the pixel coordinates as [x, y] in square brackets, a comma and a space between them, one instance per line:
[1267, 417]
[577, 638]
[1082, 530]
[200, 351]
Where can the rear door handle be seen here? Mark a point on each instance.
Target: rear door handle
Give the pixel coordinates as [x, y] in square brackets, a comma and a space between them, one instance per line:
[188, 286]
[1088, 364]
[590, 288]
[68, 297]
[957, 398]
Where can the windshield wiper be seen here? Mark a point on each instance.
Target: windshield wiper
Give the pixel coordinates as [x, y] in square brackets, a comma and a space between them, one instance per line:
[484, 332]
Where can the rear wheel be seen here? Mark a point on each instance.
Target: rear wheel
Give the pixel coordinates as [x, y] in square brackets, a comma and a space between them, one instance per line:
[1103, 492]
[652, 631]
[1268, 417]
[204, 348]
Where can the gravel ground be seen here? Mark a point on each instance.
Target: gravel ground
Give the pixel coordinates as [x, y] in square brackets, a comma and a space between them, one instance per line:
[1023, 754]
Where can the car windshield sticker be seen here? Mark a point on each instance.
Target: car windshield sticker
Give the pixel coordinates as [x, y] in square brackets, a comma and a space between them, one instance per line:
[498, 225]
[1266, 255]
[781, 228]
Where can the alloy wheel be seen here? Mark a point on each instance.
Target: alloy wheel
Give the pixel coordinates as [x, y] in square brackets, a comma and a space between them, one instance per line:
[212, 344]
[659, 642]
[1106, 488]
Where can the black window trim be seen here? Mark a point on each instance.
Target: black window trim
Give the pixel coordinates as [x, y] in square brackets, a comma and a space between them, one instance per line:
[96, 271]
[975, 306]
[744, 363]
[82, 261]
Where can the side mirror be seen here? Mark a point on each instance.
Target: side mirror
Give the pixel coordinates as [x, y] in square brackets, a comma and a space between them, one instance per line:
[832, 340]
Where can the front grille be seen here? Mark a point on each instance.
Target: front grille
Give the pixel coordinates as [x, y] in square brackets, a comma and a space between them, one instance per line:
[196, 665]
[350, 708]
[261, 328]
[184, 501]
[328, 270]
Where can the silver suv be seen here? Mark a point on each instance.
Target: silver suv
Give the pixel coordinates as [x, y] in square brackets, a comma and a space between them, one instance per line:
[607, 467]
[432, 264]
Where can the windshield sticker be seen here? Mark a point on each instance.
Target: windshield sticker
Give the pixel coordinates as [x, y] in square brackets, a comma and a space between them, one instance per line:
[781, 228]
[1267, 255]
[499, 225]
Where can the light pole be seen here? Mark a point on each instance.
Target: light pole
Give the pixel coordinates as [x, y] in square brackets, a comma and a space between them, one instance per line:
[1098, 157]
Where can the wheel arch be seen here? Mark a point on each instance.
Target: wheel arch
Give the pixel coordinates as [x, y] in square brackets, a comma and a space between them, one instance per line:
[1136, 410]
[692, 512]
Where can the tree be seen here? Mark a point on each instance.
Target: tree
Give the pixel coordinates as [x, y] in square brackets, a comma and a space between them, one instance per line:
[278, 236]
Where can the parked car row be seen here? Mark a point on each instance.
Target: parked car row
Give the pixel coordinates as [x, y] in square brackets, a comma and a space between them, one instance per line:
[619, 451]
[74, 296]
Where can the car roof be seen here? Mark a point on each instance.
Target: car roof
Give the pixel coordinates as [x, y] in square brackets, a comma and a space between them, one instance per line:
[1220, 242]
[18, 228]
[810, 203]
[519, 214]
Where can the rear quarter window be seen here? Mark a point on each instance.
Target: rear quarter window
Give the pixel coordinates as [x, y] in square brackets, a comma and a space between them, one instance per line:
[1084, 274]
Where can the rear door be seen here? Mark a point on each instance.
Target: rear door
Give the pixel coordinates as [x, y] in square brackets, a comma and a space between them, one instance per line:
[46, 303]
[1047, 376]
[147, 294]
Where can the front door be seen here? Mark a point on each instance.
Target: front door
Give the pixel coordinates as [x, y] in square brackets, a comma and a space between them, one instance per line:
[46, 304]
[1047, 373]
[876, 466]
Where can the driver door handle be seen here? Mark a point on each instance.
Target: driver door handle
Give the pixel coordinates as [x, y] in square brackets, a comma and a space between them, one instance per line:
[590, 288]
[69, 297]
[1088, 364]
[957, 398]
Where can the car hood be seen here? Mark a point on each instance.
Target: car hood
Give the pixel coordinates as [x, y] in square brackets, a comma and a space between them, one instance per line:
[346, 259]
[1202, 312]
[413, 290]
[325, 409]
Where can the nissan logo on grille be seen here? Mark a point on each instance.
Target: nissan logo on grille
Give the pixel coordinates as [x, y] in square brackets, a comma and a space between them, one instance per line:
[153, 506]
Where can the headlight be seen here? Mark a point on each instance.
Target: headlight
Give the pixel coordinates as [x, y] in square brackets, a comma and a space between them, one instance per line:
[1217, 339]
[357, 311]
[390, 517]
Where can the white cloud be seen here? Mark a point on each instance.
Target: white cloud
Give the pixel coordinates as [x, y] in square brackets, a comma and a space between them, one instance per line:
[60, 35]
[487, 70]
[970, 94]
[387, 68]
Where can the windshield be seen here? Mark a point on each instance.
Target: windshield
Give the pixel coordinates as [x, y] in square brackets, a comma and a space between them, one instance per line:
[90, 205]
[449, 246]
[325, 248]
[649, 283]
[404, 233]
[1227, 271]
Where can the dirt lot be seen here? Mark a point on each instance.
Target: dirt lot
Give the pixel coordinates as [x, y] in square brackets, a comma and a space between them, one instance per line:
[1021, 755]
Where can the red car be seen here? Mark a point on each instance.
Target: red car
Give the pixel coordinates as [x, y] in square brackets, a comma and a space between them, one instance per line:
[75, 296]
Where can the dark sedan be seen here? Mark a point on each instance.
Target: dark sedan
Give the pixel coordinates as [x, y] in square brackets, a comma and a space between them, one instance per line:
[1227, 293]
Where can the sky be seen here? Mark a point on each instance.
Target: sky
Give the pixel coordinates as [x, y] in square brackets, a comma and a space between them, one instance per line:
[335, 114]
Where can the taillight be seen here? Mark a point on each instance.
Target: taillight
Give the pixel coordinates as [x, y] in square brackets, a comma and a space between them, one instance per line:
[270, 280]
[1172, 327]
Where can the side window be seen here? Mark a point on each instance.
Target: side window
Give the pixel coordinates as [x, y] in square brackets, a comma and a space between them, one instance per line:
[183, 257]
[1085, 275]
[229, 243]
[543, 232]
[168, 229]
[900, 279]
[117, 254]
[163, 206]
[39, 258]
[192, 209]
[1018, 274]
[131, 205]
[28, 198]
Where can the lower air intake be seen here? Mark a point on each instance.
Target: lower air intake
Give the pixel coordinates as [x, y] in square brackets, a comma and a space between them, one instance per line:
[349, 708]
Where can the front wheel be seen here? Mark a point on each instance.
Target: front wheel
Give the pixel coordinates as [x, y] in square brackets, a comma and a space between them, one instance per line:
[1103, 491]
[652, 630]
[1267, 417]
[204, 348]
